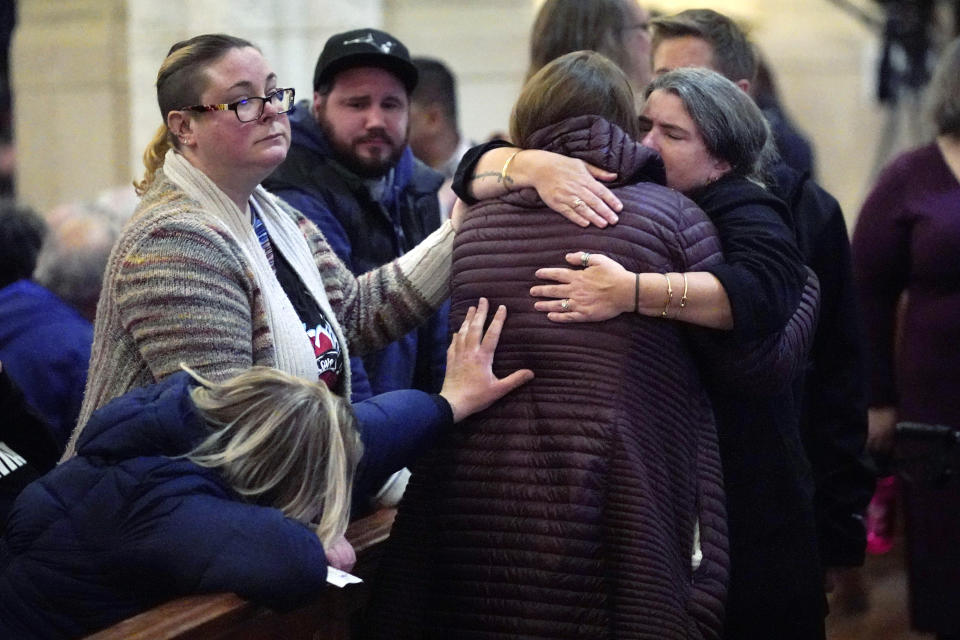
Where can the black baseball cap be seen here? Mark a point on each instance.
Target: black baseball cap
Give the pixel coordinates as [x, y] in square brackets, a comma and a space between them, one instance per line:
[365, 48]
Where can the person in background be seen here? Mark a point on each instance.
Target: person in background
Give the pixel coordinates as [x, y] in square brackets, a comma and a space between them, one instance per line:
[27, 450]
[435, 136]
[794, 146]
[619, 29]
[351, 172]
[189, 486]
[904, 255]
[44, 342]
[74, 256]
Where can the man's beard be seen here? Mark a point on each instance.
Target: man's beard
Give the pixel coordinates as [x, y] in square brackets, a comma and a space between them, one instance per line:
[365, 167]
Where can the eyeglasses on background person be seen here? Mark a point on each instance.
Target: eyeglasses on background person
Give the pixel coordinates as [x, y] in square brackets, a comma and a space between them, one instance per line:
[250, 109]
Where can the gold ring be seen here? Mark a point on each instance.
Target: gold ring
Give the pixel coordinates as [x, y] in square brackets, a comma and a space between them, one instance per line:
[585, 259]
[577, 203]
[565, 305]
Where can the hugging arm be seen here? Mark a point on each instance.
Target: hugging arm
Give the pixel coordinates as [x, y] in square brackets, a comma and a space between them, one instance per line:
[569, 186]
[765, 365]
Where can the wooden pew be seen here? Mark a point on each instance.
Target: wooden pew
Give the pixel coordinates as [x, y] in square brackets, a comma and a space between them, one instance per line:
[225, 615]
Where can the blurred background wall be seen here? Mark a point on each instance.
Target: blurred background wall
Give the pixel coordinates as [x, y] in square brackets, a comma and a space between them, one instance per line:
[84, 104]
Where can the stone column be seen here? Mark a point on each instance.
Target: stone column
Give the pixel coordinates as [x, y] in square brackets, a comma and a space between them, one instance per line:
[84, 73]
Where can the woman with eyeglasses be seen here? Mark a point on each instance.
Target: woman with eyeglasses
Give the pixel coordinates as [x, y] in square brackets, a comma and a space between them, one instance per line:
[215, 273]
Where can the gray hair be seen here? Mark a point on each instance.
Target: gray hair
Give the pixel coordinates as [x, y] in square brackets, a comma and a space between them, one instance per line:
[281, 441]
[943, 94]
[74, 256]
[731, 124]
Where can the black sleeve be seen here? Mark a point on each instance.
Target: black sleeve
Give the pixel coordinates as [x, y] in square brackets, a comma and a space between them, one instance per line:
[763, 273]
[23, 429]
[834, 421]
[468, 164]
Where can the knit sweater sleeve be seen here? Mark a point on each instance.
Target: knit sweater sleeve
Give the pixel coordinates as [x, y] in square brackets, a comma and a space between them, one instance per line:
[381, 305]
[183, 296]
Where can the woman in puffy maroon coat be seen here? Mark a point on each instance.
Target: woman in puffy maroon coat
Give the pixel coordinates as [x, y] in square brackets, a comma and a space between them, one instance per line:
[589, 503]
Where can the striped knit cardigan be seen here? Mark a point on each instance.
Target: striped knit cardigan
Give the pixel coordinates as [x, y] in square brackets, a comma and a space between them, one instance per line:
[177, 290]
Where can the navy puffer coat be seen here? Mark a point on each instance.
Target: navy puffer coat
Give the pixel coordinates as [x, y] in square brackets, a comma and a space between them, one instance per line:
[124, 526]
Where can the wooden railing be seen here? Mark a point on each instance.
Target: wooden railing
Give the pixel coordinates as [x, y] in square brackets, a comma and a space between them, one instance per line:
[225, 615]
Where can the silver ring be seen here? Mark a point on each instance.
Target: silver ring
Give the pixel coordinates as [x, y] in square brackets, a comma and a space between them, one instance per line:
[565, 305]
[585, 259]
[577, 202]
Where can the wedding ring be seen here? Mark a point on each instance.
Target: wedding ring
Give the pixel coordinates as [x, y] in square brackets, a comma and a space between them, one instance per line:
[585, 259]
[577, 203]
[565, 305]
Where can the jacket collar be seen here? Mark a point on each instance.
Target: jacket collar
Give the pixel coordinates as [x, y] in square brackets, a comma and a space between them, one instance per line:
[157, 420]
[603, 144]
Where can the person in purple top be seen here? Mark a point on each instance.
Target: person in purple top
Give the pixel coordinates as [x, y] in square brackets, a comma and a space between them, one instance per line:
[905, 250]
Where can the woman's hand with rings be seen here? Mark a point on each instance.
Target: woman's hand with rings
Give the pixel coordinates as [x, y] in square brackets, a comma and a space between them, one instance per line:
[599, 290]
[573, 189]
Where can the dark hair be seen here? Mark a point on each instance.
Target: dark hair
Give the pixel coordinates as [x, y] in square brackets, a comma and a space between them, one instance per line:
[733, 56]
[436, 86]
[576, 84]
[21, 235]
[564, 26]
[943, 95]
[180, 83]
[731, 124]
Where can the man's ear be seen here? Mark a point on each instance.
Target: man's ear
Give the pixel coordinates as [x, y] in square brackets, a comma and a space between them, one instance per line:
[744, 85]
[318, 101]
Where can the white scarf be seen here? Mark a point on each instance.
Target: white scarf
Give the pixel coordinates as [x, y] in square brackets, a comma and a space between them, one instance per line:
[294, 354]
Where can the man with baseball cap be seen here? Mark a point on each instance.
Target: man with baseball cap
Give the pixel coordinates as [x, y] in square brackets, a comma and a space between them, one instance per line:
[350, 170]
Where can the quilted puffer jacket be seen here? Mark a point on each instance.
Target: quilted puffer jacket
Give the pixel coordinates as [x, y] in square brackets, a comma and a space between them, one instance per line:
[588, 503]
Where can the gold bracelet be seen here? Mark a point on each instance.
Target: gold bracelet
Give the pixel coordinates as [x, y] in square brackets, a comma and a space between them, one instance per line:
[636, 295]
[683, 298]
[506, 166]
[666, 305]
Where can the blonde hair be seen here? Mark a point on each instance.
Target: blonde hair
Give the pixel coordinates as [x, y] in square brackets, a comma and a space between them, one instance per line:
[281, 441]
[180, 83]
[575, 84]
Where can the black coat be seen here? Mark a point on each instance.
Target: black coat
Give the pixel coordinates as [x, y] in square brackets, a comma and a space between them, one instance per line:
[833, 419]
[776, 584]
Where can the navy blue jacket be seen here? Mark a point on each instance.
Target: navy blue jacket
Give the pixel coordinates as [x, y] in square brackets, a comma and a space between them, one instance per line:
[366, 234]
[123, 526]
[45, 348]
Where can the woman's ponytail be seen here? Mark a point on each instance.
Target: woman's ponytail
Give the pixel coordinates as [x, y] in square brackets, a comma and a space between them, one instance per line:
[153, 157]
